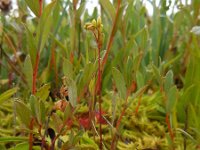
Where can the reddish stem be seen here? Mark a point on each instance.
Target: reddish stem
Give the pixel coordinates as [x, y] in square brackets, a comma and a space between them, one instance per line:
[138, 105]
[169, 127]
[111, 35]
[35, 71]
[99, 93]
[40, 10]
[31, 134]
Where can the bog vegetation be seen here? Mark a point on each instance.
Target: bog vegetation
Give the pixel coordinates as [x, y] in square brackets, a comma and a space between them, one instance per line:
[116, 79]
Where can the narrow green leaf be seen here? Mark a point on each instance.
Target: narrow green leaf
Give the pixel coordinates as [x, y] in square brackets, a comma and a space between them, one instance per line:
[21, 146]
[28, 71]
[80, 10]
[42, 112]
[120, 82]
[44, 26]
[23, 112]
[6, 95]
[31, 44]
[109, 8]
[169, 80]
[67, 112]
[33, 105]
[34, 6]
[72, 92]
[43, 92]
[13, 139]
[68, 68]
[171, 99]
[156, 72]
[139, 79]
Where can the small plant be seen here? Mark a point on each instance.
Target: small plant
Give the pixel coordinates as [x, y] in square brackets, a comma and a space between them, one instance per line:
[96, 28]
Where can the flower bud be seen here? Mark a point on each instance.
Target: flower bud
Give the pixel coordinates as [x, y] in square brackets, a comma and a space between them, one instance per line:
[94, 23]
[99, 22]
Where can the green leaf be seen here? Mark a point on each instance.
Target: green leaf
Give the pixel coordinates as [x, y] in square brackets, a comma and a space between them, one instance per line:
[37, 108]
[44, 26]
[85, 76]
[13, 139]
[139, 79]
[28, 71]
[21, 146]
[156, 72]
[43, 92]
[33, 105]
[171, 99]
[109, 9]
[169, 80]
[68, 68]
[80, 10]
[34, 6]
[67, 112]
[31, 44]
[6, 95]
[42, 112]
[120, 82]
[23, 112]
[72, 92]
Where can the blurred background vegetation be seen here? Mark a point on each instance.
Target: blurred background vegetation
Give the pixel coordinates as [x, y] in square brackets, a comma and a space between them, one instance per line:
[150, 79]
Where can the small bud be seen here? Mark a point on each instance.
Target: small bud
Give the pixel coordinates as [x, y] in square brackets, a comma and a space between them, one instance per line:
[94, 23]
[99, 22]
[89, 26]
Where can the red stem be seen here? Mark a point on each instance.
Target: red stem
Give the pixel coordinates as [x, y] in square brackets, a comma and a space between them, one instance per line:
[138, 105]
[112, 35]
[169, 127]
[31, 134]
[99, 93]
[35, 71]
[40, 11]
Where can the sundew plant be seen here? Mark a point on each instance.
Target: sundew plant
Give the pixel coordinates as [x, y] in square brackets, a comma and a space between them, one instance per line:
[117, 78]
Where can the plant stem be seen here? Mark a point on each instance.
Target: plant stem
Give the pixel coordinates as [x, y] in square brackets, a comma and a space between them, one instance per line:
[169, 127]
[111, 35]
[99, 94]
[31, 134]
[40, 10]
[35, 71]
